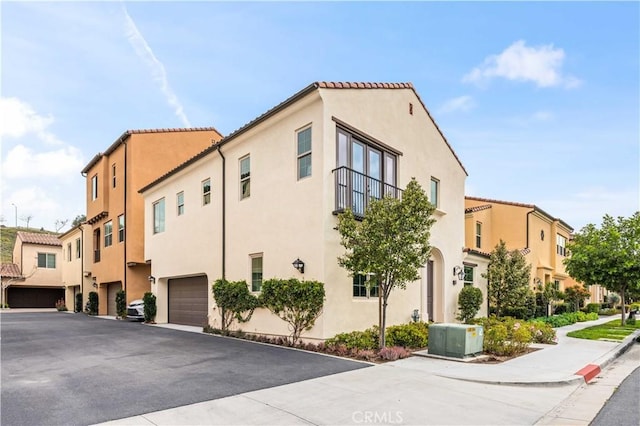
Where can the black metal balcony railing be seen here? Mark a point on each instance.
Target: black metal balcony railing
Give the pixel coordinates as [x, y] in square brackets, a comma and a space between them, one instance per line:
[354, 190]
[96, 256]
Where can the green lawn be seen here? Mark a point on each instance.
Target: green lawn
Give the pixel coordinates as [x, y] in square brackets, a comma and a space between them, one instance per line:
[608, 331]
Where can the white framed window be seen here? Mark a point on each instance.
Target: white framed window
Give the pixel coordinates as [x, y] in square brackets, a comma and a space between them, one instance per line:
[468, 274]
[78, 248]
[158, 216]
[561, 245]
[113, 175]
[360, 287]
[435, 192]
[180, 203]
[256, 272]
[47, 260]
[94, 187]
[206, 192]
[304, 152]
[121, 228]
[108, 234]
[245, 177]
[478, 234]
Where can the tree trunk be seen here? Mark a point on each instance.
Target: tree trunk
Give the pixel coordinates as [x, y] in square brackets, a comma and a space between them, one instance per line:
[622, 312]
[383, 324]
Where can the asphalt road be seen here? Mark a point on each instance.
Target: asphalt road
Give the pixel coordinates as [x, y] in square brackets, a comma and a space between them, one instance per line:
[623, 408]
[71, 369]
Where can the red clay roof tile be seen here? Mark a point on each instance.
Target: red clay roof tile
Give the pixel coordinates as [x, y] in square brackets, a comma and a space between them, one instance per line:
[41, 239]
[10, 270]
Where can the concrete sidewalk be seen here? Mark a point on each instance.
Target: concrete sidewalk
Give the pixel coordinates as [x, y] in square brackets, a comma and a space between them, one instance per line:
[416, 390]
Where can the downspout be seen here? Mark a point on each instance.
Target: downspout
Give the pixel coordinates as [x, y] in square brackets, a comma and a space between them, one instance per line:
[124, 264]
[81, 267]
[224, 186]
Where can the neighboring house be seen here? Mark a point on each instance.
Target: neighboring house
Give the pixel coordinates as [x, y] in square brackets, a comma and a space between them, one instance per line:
[269, 194]
[115, 209]
[34, 279]
[541, 237]
[76, 264]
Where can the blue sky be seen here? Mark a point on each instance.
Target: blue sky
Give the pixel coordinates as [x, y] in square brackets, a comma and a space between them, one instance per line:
[541, 101]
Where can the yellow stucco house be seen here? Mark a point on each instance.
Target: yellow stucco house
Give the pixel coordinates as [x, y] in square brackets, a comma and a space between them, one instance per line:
[268, 195]
[115, 209]
[76, 264]
[541, 237]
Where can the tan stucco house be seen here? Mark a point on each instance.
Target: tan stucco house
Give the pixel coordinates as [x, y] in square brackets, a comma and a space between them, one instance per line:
[34, 279]
[76, 264]
[268, 194]
[115, 209]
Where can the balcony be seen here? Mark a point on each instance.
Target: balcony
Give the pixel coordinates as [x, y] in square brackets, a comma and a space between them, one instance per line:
[355, 190]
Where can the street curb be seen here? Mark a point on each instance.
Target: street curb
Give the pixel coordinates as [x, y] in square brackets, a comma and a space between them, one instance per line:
[568, 381]
[592, 370]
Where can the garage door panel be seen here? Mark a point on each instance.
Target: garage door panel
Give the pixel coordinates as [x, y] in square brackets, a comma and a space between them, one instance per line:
[188, 301]
[30, 297]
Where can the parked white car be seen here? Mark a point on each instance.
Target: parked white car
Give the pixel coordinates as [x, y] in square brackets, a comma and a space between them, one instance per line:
[135, 310]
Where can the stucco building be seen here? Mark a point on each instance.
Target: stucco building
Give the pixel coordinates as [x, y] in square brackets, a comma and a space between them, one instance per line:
[115, 209]
[269, 194]
[76, 264]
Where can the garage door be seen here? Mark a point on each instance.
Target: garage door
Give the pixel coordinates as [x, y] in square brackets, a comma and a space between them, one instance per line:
[112, 290]
[32, 297]
[188, 301]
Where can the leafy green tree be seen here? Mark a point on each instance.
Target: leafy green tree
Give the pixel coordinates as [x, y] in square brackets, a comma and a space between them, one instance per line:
[609, 255]
[78, 220]
[508, 280]
[150, 307]
[548, 294]
[575, 296]
[469, 302]
[299, 303]
[234, 300]
[391, 244]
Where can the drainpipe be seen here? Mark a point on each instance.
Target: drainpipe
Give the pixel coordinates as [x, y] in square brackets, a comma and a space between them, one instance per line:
[224, 186]
[124, 281]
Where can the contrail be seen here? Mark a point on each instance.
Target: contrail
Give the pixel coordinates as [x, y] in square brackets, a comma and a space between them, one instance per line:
[157, 68]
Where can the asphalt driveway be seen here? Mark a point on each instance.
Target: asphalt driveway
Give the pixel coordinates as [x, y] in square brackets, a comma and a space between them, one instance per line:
[60, 368]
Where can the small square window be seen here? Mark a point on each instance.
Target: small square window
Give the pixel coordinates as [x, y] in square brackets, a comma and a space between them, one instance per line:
[180, 203]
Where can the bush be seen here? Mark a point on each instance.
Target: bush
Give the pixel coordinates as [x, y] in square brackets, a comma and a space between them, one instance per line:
[393, 353]
[367, 339]
[234, 300]
[593, 307]
[630, 321]
[561, 308]
[608, 311]
[150, 307]
[121, 303]
[92, 303]
[469, 301]
[60, 305]
[542, 332]
[413, 335]
[509, 336]
[78, 304]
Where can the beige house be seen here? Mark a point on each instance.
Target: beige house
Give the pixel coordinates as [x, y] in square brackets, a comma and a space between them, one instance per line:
[76, 264]
[115, 209]
[269, 194]
[34, 279]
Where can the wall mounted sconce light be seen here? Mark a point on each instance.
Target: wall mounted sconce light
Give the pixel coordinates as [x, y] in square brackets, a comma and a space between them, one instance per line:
[152, 279]
[299, 265]
[95, 284]
[458, 272]
[415, 316]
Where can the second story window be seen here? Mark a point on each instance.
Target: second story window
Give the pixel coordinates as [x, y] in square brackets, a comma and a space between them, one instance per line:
[561, 245]
[435, 192]
[94, 187]
[304, 153]
[360, 287]
[478, 234]
[158, 216]
[108, 234]
[245, 177]
[180, 203]
[468, 275]
[47, 260]
[69, 252]
[121, 228]
[206, 192]
[256, 272]
[78, 248]
[113, 175]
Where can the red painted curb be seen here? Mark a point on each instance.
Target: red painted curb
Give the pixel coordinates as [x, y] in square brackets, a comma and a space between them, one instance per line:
[589, 372]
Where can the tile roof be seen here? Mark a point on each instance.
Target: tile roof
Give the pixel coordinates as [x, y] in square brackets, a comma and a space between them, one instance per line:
[124, 136]
[477, 208]
[41, 239]
[10, 270]
[292, 99]
[477, 252]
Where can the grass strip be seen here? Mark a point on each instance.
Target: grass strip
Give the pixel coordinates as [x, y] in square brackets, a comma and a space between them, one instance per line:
[611, 330]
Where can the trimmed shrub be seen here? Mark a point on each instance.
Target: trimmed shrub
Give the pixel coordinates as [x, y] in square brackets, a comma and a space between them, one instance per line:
[121, 303]
[413, 335]
[60, 305]
[541, 332]
[150, 307]
[608, 311]
[78, 305]
[92, 303]
[234, 300]
[593, 307]
[393, 353]
[469, 301]
[367, 339]
[561, 308]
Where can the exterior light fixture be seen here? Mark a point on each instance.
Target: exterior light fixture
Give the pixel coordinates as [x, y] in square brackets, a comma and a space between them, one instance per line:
[152, 279]
[458, 272]
[415, 316]
[299, 265]
[95, 284]
[537, 281]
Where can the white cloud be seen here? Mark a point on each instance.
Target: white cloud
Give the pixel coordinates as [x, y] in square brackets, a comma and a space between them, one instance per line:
[541, 65]
[23, 162]
[18, 119]
[461, 103]
[158, 71]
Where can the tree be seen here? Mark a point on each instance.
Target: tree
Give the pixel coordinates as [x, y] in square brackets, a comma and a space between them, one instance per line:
[469, 302]
[78, 220]
[390, 245]
[297, 302]
[26, 218]
[548, 294]
[575, 296]
[609, 255]
[234, 300]
[60, 223]
[150, 307]
[508, 280]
